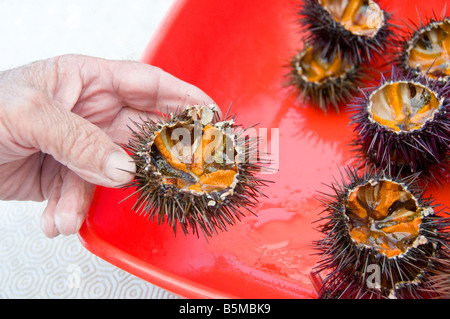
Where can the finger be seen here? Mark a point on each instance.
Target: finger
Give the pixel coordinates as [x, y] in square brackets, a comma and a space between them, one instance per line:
[76, 143]
[73, 204]
[119, 129]
[48, 215]
[134, 84]
[147, 87]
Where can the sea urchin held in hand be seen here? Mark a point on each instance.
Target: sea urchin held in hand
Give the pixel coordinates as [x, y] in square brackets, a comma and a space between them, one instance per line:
[404, 124]
[323, 81]
[194, 171]
[358, 29]
[383, 239]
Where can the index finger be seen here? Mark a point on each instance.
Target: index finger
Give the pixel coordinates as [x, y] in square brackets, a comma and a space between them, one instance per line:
[145, 87]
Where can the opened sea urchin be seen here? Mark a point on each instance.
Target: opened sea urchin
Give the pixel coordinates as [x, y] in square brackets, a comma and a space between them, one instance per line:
[404, 124]
[358, 29]
[383, 239]
[193, 171]
[324, 81]
[426, 51]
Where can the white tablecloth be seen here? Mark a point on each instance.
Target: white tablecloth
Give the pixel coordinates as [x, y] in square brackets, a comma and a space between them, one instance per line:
[34, 266]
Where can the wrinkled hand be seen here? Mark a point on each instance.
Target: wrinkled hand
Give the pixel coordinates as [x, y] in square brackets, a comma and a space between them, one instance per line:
[60, 122]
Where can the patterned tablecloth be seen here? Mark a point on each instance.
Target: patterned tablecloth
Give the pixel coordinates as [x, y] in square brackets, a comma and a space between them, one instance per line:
[34, 266]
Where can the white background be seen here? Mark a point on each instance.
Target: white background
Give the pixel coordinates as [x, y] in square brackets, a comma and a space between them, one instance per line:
[31, 265]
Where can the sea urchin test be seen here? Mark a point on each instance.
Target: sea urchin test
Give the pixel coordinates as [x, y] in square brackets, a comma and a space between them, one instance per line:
[194, 171]
[360, 17]
[357, 29]
[403, 125]
[427, 51]
[382, 238]
[384, 215]
[403, 106]
[324, 81]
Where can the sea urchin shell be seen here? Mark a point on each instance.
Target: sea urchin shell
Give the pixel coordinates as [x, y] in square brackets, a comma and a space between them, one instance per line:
[404, 124]
[383, 238]
[426, 51]
[324, 81]
[193, 171]
[359, 29]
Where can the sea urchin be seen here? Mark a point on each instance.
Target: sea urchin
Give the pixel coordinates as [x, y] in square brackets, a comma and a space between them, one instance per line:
[404, 125]
[383, 238]
[324, 81]
[426, 51]
[194, 171]
[358, 29]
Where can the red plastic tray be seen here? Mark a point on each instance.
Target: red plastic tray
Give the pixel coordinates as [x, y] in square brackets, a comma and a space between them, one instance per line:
[235, 51]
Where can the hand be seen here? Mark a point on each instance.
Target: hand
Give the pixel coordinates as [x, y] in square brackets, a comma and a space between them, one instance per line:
[61, 121]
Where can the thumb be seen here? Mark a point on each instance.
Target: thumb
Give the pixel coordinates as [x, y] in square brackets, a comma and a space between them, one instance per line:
[80, 145]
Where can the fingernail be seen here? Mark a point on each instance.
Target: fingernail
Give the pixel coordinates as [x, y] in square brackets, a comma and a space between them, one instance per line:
[119, 167]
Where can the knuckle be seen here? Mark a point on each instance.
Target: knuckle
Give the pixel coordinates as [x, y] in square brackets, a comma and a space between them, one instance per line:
[84, 144]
